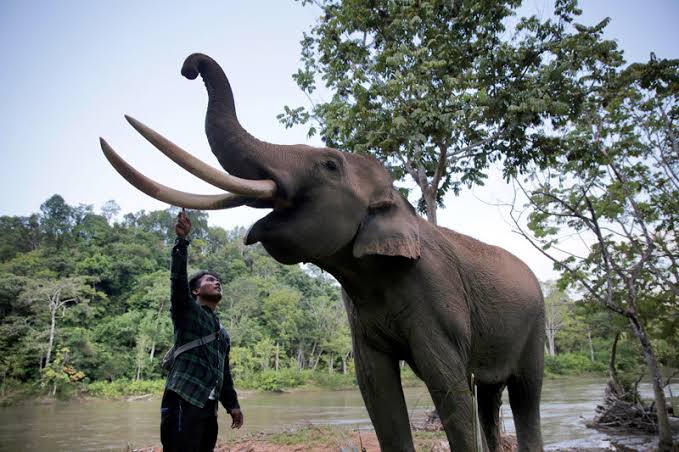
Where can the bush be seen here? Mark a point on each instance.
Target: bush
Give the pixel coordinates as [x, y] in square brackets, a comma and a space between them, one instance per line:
[271, 380]
[571, 363]
[334, 381]
[124, 387]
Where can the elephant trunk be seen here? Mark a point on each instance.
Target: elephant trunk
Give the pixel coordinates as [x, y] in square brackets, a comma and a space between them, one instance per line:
[238, 152]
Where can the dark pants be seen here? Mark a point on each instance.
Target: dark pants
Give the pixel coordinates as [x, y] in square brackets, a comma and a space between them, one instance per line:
[186, 428]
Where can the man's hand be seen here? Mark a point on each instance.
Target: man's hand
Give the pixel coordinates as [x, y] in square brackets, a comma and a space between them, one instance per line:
[183, 226]
[236, 417]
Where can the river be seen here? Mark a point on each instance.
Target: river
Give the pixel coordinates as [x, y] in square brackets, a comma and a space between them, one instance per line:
[95, 425]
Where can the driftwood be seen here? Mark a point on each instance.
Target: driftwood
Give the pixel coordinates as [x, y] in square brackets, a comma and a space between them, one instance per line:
[622, 408]
[432, 423]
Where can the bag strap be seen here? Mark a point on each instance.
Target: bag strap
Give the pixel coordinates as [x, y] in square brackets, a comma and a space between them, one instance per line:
[198, 342]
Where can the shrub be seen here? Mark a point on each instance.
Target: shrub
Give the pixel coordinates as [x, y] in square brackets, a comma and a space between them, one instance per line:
[334, 381]
[124, 387]
[271, 380]
[571, 363]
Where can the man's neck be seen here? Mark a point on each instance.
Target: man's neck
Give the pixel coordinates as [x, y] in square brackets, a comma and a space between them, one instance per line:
[209, 303]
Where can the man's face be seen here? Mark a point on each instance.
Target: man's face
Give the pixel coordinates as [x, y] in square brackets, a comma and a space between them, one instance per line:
[209, 287]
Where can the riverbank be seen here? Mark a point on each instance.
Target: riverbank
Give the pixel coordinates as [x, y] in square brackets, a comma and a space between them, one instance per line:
[314, 438]
[285, 380]
[322, 439]
[110, 424]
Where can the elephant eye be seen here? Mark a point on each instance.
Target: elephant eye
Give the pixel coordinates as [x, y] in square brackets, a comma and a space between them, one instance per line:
[330, 165]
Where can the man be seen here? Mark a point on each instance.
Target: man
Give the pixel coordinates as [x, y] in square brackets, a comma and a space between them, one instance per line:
[199, 376]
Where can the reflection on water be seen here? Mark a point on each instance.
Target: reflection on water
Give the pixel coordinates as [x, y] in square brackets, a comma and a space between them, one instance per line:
[112, 425]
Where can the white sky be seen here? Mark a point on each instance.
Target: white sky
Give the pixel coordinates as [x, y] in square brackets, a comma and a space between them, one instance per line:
[71, 69]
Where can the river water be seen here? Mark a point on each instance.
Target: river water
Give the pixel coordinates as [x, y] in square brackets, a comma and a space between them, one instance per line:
[113, 425]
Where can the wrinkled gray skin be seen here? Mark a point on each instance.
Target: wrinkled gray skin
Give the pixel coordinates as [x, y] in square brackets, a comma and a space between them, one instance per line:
[444, 302]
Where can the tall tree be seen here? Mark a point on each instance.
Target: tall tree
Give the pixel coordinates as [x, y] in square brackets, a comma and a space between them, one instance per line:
[557, 312]
[52, 297]
[617, 190]
[438, 89]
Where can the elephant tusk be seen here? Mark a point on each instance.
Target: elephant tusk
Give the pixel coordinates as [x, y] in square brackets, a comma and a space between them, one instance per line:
[167, 194]
[259, 189]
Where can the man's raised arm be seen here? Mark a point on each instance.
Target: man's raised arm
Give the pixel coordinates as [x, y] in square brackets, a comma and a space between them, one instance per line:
[180, 294]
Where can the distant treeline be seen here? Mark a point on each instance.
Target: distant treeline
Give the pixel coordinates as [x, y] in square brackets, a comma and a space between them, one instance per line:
[85, 297]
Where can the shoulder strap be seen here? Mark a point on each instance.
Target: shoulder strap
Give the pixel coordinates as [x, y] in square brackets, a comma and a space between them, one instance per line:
[195, 343]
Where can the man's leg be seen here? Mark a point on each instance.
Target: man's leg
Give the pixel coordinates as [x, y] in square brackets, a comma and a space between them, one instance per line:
[209, 439]
[182, 424]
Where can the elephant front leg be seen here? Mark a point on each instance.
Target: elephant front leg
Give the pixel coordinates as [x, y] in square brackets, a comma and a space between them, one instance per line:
[446, 380]
[380, 381]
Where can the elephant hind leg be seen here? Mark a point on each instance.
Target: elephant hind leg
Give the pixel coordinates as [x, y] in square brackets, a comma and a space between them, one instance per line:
[524, 398]
[490, 400]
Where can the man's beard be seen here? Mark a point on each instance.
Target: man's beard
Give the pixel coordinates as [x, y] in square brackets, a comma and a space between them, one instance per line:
[213, 298]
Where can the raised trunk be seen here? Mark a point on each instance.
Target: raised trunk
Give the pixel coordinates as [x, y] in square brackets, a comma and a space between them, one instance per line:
[238, 152]
[664, 432]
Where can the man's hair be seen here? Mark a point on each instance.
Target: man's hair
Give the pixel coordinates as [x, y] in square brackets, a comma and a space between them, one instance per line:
[194, 281]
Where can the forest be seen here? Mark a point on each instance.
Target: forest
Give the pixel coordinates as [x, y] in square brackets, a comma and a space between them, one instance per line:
[84, 308]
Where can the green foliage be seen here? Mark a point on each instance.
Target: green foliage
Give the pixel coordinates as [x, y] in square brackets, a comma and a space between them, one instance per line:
[271, 380]
[440, 90]
[571, 363]
[125, 387]
[104, 286]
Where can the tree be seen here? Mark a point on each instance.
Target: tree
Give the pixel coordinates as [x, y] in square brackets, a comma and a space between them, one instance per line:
[617, 190]
[438, 90]
[56, 220]
[54, 296]
[557, 311]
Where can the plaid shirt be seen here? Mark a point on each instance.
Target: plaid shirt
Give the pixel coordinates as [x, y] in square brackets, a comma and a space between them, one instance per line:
[198, 371]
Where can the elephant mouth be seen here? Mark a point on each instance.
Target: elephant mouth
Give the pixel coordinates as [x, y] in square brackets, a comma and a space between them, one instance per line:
[239, 192]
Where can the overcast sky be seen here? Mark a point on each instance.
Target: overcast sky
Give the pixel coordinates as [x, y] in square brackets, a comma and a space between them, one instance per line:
[71, 69]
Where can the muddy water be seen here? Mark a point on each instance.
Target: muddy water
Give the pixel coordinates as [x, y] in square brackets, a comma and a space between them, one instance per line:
[112, 425]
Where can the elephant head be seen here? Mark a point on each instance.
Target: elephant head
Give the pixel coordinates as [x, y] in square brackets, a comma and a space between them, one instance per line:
[325, 203]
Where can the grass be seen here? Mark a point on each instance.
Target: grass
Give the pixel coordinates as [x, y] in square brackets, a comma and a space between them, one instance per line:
[309, 435]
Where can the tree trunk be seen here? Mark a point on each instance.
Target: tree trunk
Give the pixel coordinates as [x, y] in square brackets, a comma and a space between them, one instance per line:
[331, 363]
[551, 349]
[664, 432]
[311, 355]
[591, 347]
[53, 314]
[277, 355]
[318, 358]
[429, 195]
[300, 358]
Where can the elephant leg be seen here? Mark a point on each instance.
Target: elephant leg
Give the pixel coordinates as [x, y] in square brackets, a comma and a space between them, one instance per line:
[490, 400]
[524, 398]
[379, 379]
[449, 388]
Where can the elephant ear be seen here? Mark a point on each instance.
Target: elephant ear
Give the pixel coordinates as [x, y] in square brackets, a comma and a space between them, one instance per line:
[389, 229]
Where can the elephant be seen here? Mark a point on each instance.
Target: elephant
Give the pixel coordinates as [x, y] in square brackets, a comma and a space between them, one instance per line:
[447, 304]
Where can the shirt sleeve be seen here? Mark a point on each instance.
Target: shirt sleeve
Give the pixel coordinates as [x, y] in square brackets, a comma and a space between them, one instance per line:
[180, 296]
[228, 395]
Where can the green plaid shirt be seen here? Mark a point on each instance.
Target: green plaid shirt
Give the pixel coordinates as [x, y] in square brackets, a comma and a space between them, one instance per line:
[198, 371]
